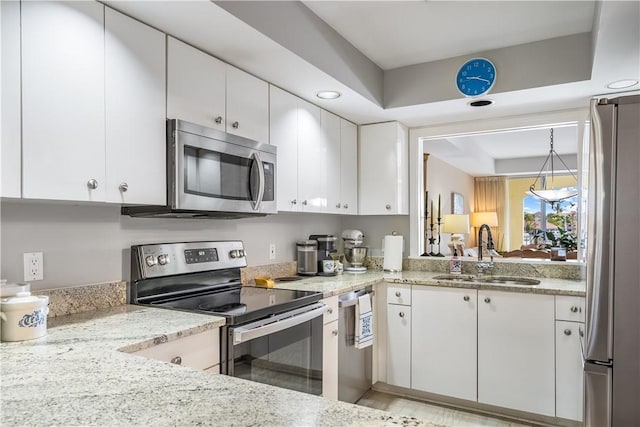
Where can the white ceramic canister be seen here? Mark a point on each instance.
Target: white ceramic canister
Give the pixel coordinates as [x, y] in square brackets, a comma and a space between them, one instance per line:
[23, 317]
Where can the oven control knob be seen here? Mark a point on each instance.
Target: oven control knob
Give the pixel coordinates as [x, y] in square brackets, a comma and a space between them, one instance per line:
[150, 260]
[164, 259]
[237, 253]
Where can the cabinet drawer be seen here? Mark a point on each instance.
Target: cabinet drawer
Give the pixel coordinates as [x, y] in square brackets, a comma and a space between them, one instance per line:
[399, 294]
[199, 351]
[332, 309]
[570, 308]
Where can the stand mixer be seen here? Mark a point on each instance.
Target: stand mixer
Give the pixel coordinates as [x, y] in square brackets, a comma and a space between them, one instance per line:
[354, 252]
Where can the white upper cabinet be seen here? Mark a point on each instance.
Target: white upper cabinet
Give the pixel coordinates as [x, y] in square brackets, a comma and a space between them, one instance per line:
[516, 360]
[10, 51]
[247, 105]
[312, 195]
[135, 111]
[383, 169]
[211, 93]
[283, 128]
[63, 120]
[330, 161]
[348, 168]
[196, 86]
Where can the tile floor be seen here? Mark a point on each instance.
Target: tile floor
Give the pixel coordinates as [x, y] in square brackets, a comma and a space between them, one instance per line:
[428, 412]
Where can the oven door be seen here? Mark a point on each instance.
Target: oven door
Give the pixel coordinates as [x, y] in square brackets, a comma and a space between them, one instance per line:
[284, 350]
[215, 171]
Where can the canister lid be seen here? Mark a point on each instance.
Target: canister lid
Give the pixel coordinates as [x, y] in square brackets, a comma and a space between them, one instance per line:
[11, 289]
[313, 243]
[23, 299]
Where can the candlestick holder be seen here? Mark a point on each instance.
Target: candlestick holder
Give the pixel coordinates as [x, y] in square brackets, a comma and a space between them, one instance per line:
[426, 230]
[432, 241]
[439, 254]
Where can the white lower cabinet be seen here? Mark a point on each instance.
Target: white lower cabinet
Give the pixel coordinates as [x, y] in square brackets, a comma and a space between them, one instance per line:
[330, 350]
[198, 351]
[444, 334]
[399, 340]
[516, 351]
[569, 372]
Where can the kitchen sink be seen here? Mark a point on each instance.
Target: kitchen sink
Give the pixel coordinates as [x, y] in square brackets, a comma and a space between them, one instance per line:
[502, 280]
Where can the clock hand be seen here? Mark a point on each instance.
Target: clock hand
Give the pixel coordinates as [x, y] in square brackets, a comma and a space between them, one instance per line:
[478, 78]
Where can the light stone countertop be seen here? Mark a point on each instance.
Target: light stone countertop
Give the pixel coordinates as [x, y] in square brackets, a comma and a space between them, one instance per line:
[75, 375]
[349, 281]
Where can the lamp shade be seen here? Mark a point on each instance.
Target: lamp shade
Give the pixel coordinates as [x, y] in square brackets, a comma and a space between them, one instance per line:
[456, 223]
[489, 218]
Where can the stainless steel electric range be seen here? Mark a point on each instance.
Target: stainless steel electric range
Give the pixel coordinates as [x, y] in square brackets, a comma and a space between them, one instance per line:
[273, 336]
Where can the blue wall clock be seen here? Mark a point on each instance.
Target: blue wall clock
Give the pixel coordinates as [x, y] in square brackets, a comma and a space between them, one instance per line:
[476, 77]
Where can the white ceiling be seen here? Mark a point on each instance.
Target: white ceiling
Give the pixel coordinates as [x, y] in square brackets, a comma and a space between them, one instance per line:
[397, 33]
[394, 34]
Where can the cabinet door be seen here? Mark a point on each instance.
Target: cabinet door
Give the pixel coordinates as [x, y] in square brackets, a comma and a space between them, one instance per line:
[247, 105]
[10, 93]
[311, 195]
[348, 167]
[330, 161]
[135, 112]
[330, 361]
[198, 351]
[399, 345]
[283, 131]
[569, 373]
[443, 348]
[516, 351]
[196, 86]
[383, 170]
[63, 119]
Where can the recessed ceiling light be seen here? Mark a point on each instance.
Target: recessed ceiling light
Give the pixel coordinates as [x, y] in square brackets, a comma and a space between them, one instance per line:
[481, 102]
[622, 84]
[328, 94]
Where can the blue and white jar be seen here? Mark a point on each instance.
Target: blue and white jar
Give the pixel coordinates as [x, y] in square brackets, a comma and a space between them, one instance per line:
[23, 317]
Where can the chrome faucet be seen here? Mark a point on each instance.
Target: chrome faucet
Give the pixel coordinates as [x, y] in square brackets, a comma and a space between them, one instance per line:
[483, 266]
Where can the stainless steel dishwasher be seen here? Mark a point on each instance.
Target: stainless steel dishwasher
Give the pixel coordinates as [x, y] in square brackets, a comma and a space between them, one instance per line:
[354, 365]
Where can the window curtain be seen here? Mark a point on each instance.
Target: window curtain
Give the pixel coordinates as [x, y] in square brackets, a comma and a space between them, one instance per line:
[490, 195]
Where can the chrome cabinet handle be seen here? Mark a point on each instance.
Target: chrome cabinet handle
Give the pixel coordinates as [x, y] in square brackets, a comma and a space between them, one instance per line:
[388, 207]
[176, 360]
[334, 332]
[401, 314]
[92, 184]
[487, 300]
[123, 187]
[329, 310]
[466, 298]
[346, 206]
[236, 125]
[398, 294]
[338, 205]
[218, 119]
[304, 202]
[567, 331]
[574, 309]
[294, 201]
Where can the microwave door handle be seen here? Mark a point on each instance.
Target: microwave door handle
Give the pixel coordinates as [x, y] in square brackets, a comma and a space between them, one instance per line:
[261, 182]
[247, 333]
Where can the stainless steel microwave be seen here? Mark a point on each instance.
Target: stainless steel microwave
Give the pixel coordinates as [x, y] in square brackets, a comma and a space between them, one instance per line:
[214, 174]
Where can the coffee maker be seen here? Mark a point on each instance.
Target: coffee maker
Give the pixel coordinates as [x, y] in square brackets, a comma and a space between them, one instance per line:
[326, 248]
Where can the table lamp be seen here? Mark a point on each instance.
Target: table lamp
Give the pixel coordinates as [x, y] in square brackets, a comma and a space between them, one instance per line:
[457, 225]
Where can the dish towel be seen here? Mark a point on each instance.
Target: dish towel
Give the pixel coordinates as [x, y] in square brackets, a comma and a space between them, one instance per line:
[364, 322]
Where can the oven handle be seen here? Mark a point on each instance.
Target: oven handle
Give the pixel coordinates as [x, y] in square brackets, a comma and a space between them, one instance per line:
[256, 204]
[254, 330]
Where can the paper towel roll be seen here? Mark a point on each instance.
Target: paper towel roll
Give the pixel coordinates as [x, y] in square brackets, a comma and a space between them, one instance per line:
[392, 246]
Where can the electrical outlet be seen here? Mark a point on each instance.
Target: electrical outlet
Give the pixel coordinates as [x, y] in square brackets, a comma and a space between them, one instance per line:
[33, 266]
[272, 251]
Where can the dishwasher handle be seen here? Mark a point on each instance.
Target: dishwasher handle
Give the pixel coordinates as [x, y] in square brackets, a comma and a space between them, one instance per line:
[353, 301]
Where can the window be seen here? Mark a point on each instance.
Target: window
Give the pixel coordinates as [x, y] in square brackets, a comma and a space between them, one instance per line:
[558, 227]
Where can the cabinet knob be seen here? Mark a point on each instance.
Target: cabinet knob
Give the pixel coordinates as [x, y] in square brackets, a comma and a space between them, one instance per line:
[338, 205]
[346, 206]
[218, 119]
[487, 300]
[574, 309]
[304, 202]
[236, 125]
[294, 201]
[398, 294]
[466, 298]
[567, 331]
[92, 184]
[330, 310]
[388, 207]
[401, 314]
[123, 187]
[334, 332]
[176, 360]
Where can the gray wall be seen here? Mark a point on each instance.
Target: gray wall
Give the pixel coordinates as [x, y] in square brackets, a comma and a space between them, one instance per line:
[85, 244]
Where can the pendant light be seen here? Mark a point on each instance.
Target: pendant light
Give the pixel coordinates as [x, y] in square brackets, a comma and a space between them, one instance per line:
[550, 194]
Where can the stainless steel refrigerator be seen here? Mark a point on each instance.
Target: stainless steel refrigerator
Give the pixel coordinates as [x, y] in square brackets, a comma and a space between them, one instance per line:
[611, 342]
